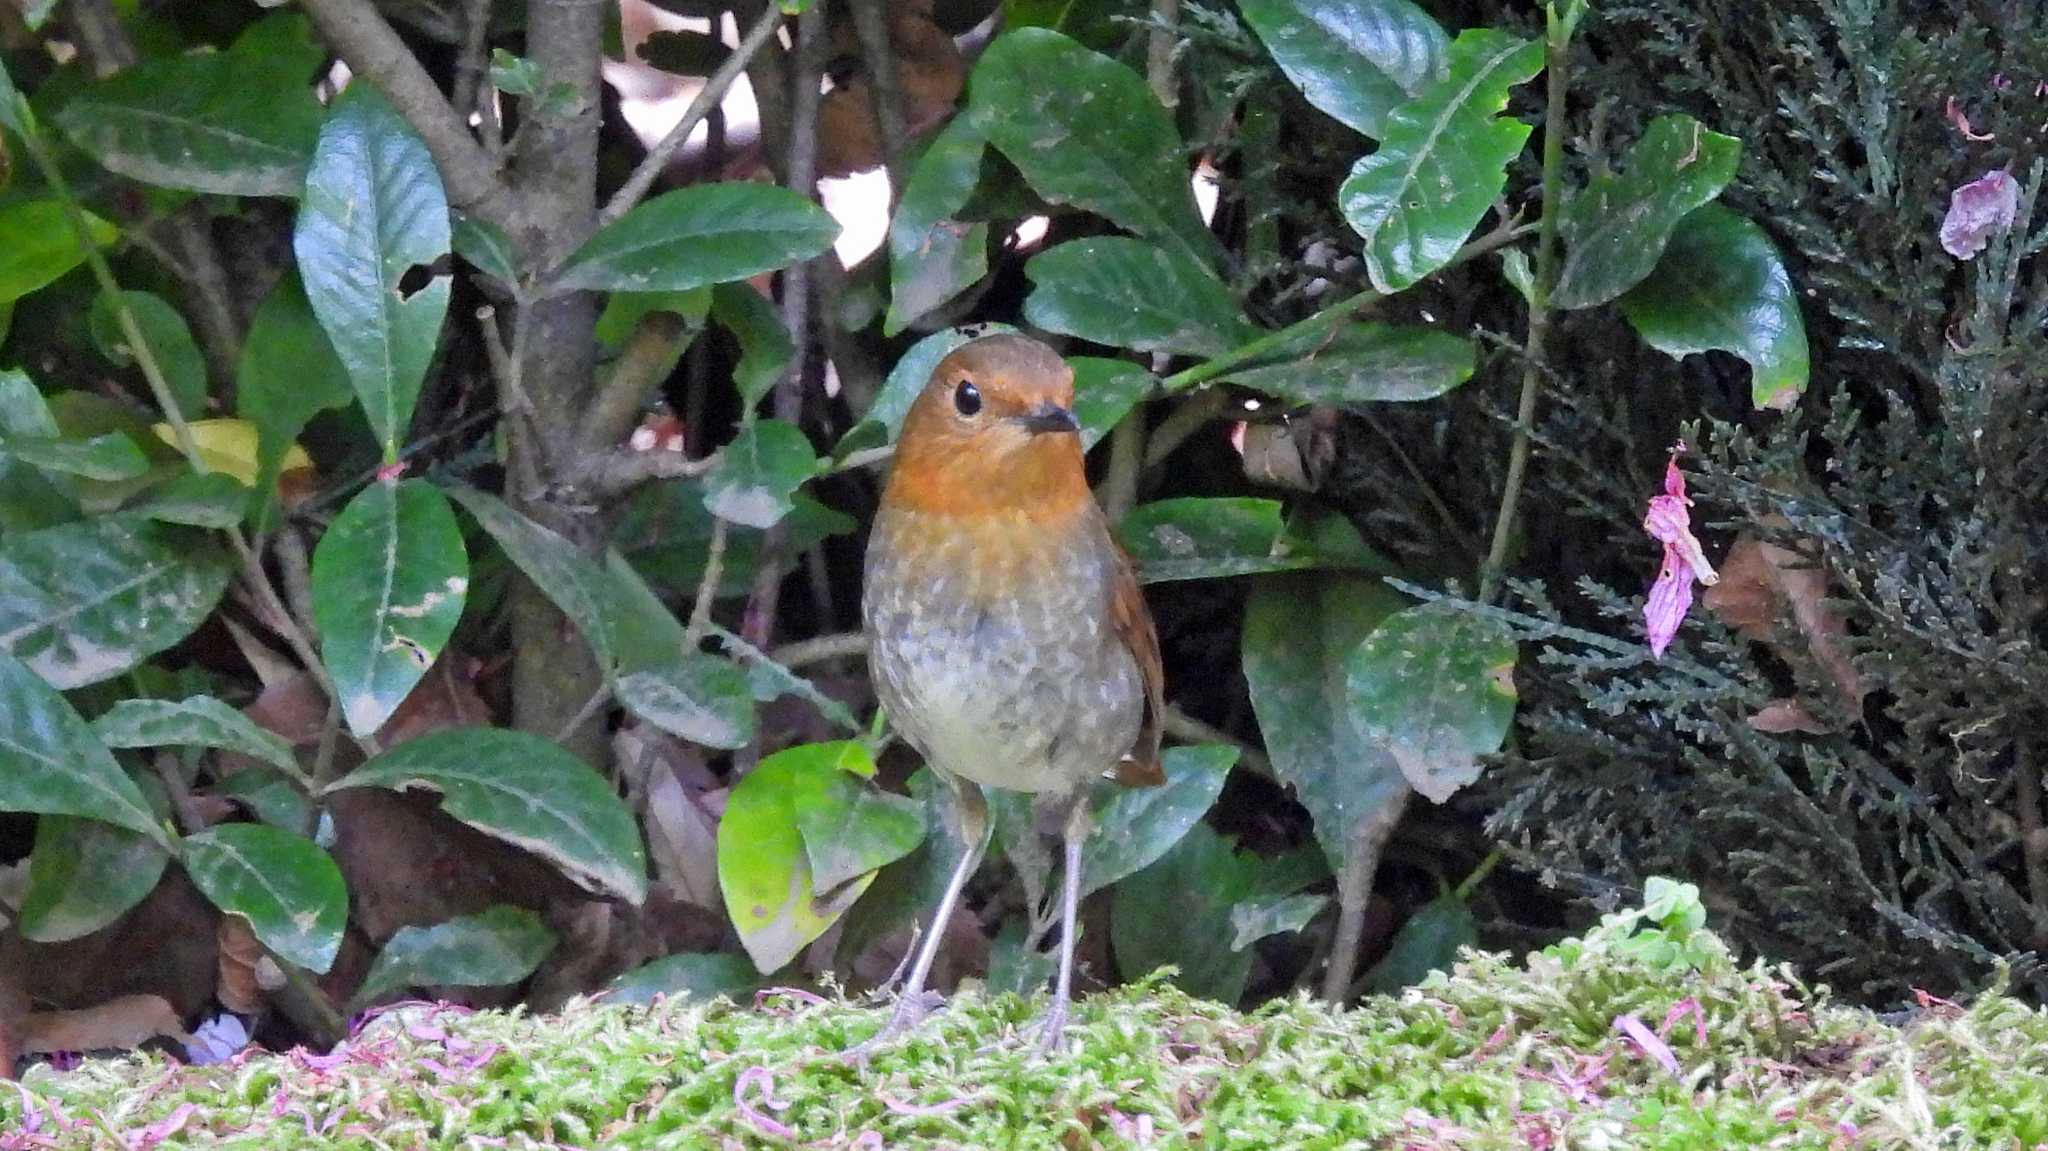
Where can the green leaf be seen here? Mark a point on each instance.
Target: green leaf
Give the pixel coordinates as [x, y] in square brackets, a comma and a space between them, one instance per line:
[765, 346]
[1428, 941]
[289, 372]
[1299, 633]
[697, 697]
[289, 891]
[771, 681]
[1260, 916]
[1355, 59]
[526, 791]
[851, 828]
[83, 875]
[758, 472]
[52, 764]
[497, 946]
[87, 601]
[235, 123]
[1363, 363]
[487, 248]
[933, 256]
[1211, 538]
[170, 343]
[623, 312]
[1134, 826]
[665, 531]
[1177, 912]
[1105, 391]
[763, 869]
[270, 798]
[884, 417]
[514, 75]
[1435, 686]
[1722, 286]
[1127, 293]
[1014, 966]
[389, 581]
[700, 235]
[200, 721]
[14, 114]
[701, 975]
[374, 211]
[37, 245]
[1442, 161]
[1615, 230]
[911, 886]
[212, 500]
[109, 457]
[1085, 130]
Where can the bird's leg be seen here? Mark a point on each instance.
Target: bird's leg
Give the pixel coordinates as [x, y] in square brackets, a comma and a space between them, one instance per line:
[913, 1002]
[1075, 833]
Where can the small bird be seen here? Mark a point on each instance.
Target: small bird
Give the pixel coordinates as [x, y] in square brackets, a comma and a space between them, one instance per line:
[1008, 640]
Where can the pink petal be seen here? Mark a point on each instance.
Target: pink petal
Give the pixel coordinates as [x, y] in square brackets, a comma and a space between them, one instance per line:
[1977, 210]
[1670, 598]
[1647, 1039]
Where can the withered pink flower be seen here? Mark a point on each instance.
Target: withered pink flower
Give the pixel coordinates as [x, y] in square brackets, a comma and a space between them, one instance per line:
[1669, 521]
[1984, 206]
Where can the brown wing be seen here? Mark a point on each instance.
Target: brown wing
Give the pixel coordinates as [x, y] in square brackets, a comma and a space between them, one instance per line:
[1133, 623]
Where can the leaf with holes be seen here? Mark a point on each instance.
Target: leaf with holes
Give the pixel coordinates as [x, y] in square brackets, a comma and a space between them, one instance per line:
[375, 212]
[1442, 161]
[699, 235]
[1616, 229]
[1357, 60]
[763, 869]
[290, 891]
[526, 791]
[495, 947]
[1434, 685]
[934, 256]
[697, 697]
[1127, 293]
[84, 602]
[37, 245]
[1722, 286]
[389, 581]
[758, 472]
[1362, 363]
[201, 721]
[1085, 130]
[52, 764]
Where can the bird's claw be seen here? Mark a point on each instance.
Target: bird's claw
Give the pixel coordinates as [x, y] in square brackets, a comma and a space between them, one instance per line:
[911, 1010]
[1052, 1031]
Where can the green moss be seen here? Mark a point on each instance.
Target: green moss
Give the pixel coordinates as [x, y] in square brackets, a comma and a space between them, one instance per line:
[1495, 1055]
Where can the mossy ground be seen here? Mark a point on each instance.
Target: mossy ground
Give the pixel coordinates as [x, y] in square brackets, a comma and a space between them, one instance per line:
[1497, 1055]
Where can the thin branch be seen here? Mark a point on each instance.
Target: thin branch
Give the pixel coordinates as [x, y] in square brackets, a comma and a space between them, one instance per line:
[609, 475]
[590, 706]
[819, 649]
[1126, 459]
[707, 585]
[1181, 725]
[871, 26]
[649, 354]
[708, 97]
[1183, 421]
[507, 368]
[472, 69]
[372, 48]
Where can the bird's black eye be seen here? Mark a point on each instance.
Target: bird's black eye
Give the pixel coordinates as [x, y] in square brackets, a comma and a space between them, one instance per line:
[967, 398]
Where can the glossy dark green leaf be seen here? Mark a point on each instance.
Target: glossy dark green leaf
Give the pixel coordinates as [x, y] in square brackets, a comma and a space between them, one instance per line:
[1177, 912]
[1615, 230]
[13, 108]
[1442, 160]
[851, 827]
[390, 577]
[37, 245]
[526, 791]
[200, 721]
[1434, 686]
[699, 975]
[1128, 293]
[1260, 916]
[763, 870]
[236, 123]
[1136, 825]
[109, 457]
[1428, 941]
[201, 500]
[1014, 968]
[52, 764]
[1210, 538]
[665, 531]
[701, 698]
[487, 248]
[1299, 633]
[1722, 286]
[84, 874]
[905, 891]
[1085, 130]
[289, 373]
[170, 343]
[1355, 59]
[700, 235]
[772, 681]
[765, 346]
[287, 889]
[494, 947]
[374, 210]
[1104, 392]
[1363, 363]
[270, 798]
[933, 256]
[87, 601]
[759, 472]
[884, 417]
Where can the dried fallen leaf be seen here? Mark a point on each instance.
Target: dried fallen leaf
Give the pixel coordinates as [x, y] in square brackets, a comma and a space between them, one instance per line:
[1760, 584]
[238, 988]
[1781, 716]
[122, 1024]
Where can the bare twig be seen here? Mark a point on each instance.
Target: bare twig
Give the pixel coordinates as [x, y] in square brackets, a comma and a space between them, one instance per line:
[609, 475]
[707, 585]
[506, 370]
[648, 353]
[191, 820]
[472, 67]
[871, 25]
[1181, 725]
[1126, 460]
[590, 706]
[1182, 422]
[293, 562]
[708, 97]
[802, 653]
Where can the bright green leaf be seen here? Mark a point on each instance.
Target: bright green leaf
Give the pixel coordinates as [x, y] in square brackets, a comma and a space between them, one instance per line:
[1355, 59]
[497, 946]
[514, 75]
[851, 828]
[289, 891]
[1434, 686]
[701, 698]
[170, 343]
[758, 472]
[1127, 293]
[201, 721]
[37, 245]
[700, 235]
[374, 210]
[1722, 286]
[911, 886]
[526, 791]
[933, 256]
[1615, 230]
[763, 870]
[1363, 363]
[1442, 161]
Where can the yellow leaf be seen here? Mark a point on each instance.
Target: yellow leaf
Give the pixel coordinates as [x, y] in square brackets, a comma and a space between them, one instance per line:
[229, 446]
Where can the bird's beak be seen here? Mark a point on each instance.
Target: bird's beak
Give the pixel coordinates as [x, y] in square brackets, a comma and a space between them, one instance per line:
[1049, 417]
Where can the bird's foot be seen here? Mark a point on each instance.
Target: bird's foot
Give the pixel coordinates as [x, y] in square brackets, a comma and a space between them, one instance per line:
[1052, 1030]
[912, 1009]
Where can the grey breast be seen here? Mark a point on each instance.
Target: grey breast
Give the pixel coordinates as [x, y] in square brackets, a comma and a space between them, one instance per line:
[1031, 690]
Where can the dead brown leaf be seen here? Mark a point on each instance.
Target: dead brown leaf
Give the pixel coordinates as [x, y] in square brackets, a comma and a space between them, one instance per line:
[119, 1024]
[239, 988]
[682, 835]
[930, 71]
[1781, 716]
[1760, 585]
